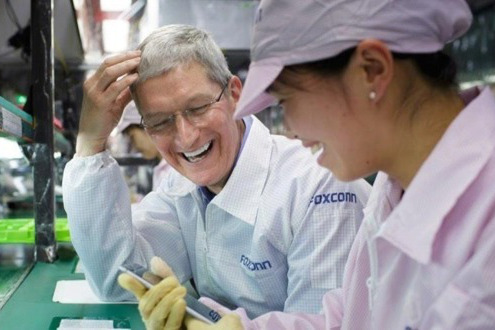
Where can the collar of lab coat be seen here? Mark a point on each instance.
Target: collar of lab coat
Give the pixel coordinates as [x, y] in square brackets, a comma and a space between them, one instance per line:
[455, 162]
[242, 192]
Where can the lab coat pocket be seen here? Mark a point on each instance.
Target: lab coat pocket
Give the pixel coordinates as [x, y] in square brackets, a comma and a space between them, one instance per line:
[456, 309]
[272, 284]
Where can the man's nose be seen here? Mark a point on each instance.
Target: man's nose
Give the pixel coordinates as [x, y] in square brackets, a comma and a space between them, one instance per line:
[186, 132]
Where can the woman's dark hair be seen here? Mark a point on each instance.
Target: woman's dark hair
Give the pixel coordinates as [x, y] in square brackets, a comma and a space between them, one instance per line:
[438, 68]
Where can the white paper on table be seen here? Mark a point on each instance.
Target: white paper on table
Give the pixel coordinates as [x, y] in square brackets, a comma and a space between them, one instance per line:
[85, 324]
[79, 292]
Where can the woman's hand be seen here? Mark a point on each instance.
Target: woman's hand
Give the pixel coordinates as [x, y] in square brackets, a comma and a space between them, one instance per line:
[227, 322]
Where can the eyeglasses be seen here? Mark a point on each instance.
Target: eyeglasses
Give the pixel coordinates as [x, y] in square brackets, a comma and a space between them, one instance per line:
[193, 115]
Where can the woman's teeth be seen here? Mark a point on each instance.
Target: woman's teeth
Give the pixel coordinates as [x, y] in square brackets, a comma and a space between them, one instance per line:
[198, 154]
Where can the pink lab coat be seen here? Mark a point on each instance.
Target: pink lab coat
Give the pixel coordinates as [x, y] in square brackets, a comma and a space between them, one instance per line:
[424, 259]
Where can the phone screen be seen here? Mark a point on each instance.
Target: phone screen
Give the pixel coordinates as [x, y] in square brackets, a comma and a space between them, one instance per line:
[194, 307]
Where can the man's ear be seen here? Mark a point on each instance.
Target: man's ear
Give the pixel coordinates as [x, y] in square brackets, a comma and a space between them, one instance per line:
[377, 62]
[235, 87]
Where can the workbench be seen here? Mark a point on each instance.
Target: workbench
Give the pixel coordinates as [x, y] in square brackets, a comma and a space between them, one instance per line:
[30, 305]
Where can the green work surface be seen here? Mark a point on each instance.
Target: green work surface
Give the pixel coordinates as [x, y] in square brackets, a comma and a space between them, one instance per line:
[31, 306]
[10, 276]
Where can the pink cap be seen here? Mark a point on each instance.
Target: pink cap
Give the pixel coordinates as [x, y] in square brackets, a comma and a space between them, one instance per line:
[290, 32]
[130, 116]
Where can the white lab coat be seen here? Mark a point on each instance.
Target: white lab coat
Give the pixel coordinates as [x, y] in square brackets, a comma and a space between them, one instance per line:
[275, 238]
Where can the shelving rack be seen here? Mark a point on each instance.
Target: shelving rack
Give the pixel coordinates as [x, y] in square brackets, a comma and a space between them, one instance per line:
[33, 128]
[15, 123]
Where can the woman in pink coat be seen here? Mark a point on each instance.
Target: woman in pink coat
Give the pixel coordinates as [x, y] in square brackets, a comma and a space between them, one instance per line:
[368, 82]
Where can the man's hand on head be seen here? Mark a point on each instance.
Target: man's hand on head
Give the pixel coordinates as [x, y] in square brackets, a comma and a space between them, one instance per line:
[106, 93]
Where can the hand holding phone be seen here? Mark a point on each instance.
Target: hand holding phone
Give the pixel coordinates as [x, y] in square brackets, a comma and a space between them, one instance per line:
[193, 306]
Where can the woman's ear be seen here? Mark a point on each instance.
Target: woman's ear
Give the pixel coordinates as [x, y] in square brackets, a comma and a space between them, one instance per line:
[377, 62]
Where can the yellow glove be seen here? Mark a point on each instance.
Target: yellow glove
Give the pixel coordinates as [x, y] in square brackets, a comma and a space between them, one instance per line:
[159, 270]
[228, 322]
[163, 306]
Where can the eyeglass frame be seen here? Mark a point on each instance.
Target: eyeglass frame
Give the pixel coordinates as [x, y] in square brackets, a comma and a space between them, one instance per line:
[185, 113]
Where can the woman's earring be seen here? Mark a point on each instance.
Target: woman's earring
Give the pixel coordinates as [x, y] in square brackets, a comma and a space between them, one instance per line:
[372, 95]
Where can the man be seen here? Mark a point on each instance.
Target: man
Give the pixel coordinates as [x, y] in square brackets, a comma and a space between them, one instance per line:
[247, 215]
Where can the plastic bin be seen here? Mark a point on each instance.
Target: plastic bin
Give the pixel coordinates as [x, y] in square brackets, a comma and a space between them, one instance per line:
[14, 231]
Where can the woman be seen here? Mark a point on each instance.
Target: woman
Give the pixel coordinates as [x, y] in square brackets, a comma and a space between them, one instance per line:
[368, 82]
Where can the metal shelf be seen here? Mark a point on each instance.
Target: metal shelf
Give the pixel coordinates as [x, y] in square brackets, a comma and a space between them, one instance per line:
[15, 123]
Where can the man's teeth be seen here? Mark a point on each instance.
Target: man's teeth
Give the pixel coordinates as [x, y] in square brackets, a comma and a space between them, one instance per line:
[198, 151]
[317, 148]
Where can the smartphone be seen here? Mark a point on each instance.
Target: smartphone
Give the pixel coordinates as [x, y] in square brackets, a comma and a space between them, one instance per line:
[193, 306]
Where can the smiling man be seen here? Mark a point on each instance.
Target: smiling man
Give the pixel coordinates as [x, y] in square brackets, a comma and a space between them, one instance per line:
[242, 214]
